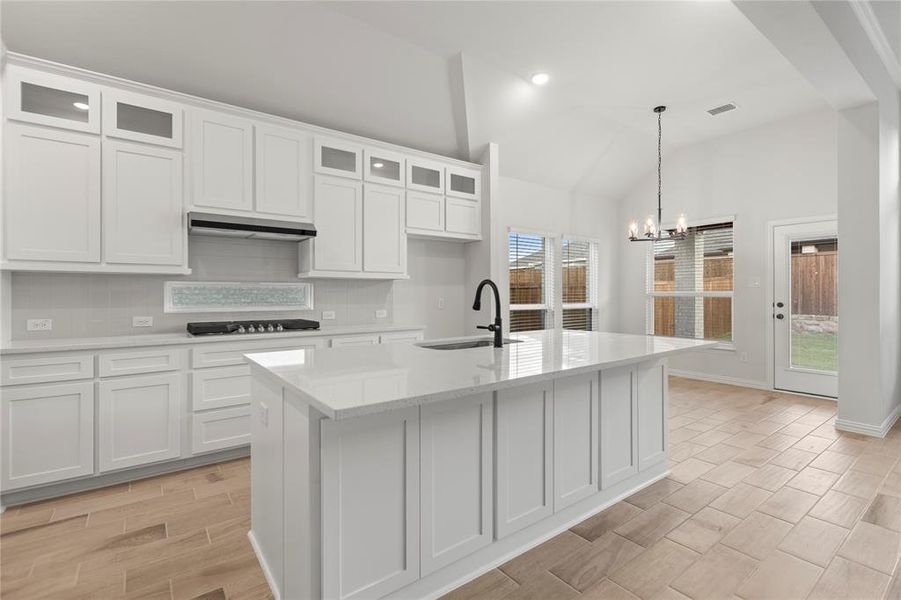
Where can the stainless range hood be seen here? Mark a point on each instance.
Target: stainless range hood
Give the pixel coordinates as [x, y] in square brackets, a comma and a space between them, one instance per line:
[248, 227]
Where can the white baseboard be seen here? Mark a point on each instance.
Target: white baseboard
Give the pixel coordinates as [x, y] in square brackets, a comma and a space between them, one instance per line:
[749, 383]
[264, 566]
[866, 429]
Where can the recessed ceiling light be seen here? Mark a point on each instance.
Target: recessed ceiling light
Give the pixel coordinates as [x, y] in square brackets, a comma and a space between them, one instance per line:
[540, 78]
[377, 165]
[81, 106]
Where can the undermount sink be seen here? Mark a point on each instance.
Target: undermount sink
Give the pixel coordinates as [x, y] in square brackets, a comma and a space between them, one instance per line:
[463, 345]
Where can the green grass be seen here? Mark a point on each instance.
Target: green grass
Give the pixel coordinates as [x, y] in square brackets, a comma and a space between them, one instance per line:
[815, 351]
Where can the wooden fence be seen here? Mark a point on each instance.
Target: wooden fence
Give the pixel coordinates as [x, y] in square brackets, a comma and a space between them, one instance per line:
[814, 284]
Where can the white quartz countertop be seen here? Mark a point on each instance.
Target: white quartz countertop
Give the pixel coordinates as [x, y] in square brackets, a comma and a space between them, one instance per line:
[172, 339]
[355, 381]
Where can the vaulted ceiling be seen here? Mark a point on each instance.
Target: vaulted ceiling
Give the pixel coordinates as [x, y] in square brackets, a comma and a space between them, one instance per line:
[449, 77]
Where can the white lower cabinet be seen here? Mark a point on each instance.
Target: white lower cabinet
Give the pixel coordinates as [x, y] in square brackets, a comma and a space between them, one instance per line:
[456, 500]
[524, 457]
[48, 434]
[139, 420]
[355, 340]
[652, 414]
[400, 336]
[370, 504]
[619, 425]
[220, 429]
[575, 439]
[220, 387]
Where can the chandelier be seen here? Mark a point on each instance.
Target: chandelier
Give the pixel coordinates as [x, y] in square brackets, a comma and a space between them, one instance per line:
[652, 229]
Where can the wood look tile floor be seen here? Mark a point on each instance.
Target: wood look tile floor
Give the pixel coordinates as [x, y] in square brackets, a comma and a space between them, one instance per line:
[765, 500]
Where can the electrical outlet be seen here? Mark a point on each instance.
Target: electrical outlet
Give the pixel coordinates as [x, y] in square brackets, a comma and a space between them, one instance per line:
[142, 321]
[743, 357]
[381, 314]
[441, 303]
[264, 415]
[328, 315]
[39, 324]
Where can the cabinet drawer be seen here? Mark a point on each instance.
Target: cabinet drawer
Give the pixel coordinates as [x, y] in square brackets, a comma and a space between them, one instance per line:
[222, 355]
[355, 340]
[65, 367]
[220, 387]
[143, 361]
[220, 429]
[400, 336]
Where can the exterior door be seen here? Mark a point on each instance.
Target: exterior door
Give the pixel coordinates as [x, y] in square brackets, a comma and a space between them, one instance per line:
[805, 308]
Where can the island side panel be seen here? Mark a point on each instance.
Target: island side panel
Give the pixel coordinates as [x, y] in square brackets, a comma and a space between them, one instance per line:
[267, 483]
[619, 424]
[576, 425]
[653, 400]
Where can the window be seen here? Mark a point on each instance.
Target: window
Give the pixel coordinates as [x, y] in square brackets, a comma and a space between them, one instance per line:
[531, 290]
[578, 267]
[690, 284]
[534, 269]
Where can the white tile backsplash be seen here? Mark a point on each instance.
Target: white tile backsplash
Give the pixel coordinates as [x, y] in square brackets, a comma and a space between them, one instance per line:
[89, 305]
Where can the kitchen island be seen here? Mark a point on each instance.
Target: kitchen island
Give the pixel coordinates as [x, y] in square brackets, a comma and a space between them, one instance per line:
[403, 471]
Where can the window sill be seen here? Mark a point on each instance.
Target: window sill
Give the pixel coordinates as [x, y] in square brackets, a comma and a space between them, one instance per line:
[724, 346]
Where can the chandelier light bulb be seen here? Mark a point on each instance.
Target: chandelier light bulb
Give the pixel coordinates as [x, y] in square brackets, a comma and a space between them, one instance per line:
[650, 228]
[681, 225]
[633, 229]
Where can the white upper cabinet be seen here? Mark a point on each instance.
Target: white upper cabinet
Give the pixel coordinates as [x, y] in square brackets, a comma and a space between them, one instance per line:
[52, 100]
[462, 217]
[222, 161]
[383, 166]
[337, 157]
[464, 183]
[338, 205]
[143, 213]
[284, 172]
[142, 118]
[425, 212]
[52, 200]
[425, 175]
[384, 238]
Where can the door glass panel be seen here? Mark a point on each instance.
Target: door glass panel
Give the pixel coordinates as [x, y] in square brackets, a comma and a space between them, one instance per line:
[342, 160]
[384, 168]
[427, 177]
[143, 120]
[52, 102]
[462, 183]
[814, 304]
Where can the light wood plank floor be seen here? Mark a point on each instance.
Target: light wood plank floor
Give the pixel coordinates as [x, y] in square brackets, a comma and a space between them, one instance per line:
[765, 500]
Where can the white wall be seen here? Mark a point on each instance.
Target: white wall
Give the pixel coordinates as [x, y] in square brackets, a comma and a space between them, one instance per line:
[531, 206]
[782, 170]
[88, 305]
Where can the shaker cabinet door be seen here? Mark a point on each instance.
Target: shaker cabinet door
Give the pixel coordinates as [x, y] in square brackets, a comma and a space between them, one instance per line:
[52, 201]
[284, 172]
[384, 238]
[222, 161]
[338, 205]
[47, 434]
[143, 211]
[652, 414]
[575, 439]
[140, 420]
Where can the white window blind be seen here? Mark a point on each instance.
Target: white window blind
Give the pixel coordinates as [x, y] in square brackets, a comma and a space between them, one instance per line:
[579, 273]
[531, 277]
[691, 285]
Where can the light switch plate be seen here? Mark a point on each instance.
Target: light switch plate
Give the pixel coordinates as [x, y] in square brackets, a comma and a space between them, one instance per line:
[39, 324]
[381, 314]
[142, 321]
[328, 315]
[441, 304]
[264, 415]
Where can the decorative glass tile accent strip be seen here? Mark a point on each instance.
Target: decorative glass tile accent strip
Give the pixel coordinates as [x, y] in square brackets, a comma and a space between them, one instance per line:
[213, 296]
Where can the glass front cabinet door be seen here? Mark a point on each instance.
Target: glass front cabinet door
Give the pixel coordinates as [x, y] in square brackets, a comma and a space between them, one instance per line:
[382, 166]
[464, 183]
[425, 176]
[53, 100]
[338, 157]
[142, 119]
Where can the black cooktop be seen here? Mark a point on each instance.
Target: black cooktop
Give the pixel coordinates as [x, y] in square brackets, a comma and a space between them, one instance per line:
[245, 327]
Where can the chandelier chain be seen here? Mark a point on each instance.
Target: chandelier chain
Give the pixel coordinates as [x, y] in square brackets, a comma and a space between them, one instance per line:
[659, 168]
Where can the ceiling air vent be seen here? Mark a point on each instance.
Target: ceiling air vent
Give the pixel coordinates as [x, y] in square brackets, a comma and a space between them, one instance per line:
[721, 109]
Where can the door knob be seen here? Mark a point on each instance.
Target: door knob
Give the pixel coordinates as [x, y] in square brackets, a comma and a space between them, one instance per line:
[780, 316]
